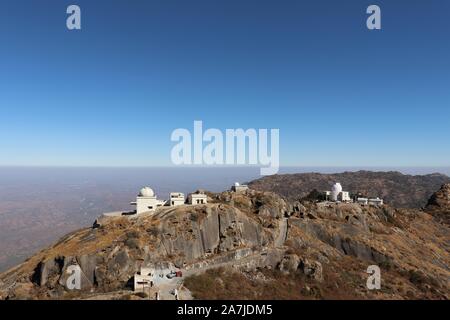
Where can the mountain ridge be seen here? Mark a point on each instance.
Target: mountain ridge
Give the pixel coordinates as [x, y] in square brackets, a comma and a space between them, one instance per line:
[397, 189]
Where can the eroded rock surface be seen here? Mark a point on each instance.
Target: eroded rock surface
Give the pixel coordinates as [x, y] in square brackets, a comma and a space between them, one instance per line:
[330, 245]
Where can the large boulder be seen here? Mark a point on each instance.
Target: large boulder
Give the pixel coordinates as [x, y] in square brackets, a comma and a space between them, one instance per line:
[439, 204]
[312, 269]
[289, 263]
[441, 199]
[47, 270]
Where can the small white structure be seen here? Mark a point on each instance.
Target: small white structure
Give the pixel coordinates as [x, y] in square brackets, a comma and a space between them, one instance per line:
[239, 188]
[176, 199]
[144, 279]
[363, 201]
[336, 194]
[146, 201]
[376, 202]
[344, 196]
[198, 198]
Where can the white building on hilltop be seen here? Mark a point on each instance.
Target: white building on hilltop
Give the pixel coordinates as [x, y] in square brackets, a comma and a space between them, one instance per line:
[146, 201]
[362, 200]
[176, 199]
[376, 202]
[337, 194]
[198, 197]
[239, 187]
[373, 201]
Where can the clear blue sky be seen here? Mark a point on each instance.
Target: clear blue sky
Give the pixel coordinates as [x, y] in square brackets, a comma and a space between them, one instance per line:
[112, 93]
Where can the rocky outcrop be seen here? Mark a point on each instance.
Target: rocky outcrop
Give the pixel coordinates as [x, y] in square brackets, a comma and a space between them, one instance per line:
[439, 204]
[289, 263]
[312, 269]
[252, 232]
[210, 229]
[114, 249]
[440, 199]
[49, 273]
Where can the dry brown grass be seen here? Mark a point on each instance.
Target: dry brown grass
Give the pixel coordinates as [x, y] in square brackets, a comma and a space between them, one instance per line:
[223, 284]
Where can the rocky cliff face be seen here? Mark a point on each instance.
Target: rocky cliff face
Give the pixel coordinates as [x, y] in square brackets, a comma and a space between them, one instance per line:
[439, 204]
[440, 199]
[258, 236]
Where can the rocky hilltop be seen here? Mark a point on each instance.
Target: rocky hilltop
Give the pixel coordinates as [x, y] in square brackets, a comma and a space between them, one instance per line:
[397, 189]
[439, 204]
[250, 245]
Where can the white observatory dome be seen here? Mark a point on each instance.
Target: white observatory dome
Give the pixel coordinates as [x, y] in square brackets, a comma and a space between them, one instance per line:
[336, 189]
[236, 184]
[146, 192]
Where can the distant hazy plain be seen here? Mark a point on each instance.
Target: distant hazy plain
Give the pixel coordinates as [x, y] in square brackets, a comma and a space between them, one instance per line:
[40, 204]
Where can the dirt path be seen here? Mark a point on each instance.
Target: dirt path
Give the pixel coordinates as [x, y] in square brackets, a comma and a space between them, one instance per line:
[184, 294]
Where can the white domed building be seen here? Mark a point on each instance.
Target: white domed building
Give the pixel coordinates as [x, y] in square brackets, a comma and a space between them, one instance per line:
[146, 192]
[337, 194]
[336, 190]
[146, 201]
